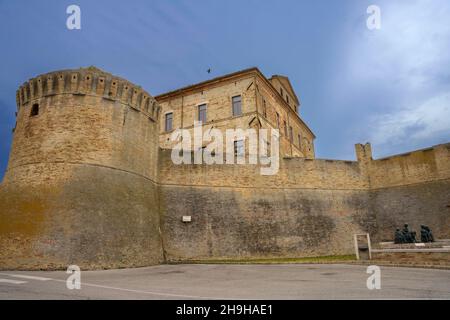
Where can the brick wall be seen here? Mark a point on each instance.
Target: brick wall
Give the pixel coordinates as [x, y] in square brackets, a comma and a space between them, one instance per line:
[412, 188]
[311, 207]
[254, 90]
[87, 184]
[80, 187]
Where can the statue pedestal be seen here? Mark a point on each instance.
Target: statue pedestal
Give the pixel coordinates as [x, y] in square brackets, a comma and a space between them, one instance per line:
[420, 254]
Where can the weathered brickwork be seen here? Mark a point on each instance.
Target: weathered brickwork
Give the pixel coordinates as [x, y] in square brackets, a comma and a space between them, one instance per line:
[81, 180]
[310, 207]
[274, 113]
[90, 180]
[420, 166]
[260, 222]
[412, 188]
[293, 173]
[261, 103]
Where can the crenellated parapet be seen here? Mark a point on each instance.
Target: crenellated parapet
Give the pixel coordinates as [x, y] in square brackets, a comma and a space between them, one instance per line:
[82, 171]
[88, 82]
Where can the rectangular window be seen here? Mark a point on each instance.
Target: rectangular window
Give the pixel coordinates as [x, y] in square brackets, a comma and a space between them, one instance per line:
[281, 91]
[278, 121]
[285, 128]
[291, 134]
[287, 98]
[237, 105]
[239, 148]
[299, 141]
[202, 113]
[169, 119]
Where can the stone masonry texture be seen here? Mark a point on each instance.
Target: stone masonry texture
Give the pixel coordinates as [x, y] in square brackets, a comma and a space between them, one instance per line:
[90, 180]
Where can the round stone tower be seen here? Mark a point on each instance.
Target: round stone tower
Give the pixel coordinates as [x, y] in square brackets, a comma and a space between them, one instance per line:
[80, 187]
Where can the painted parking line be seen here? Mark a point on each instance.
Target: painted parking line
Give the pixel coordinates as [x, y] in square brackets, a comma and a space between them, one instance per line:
[12, 281]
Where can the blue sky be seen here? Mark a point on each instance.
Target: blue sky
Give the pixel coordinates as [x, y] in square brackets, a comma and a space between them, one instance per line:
[389, 86]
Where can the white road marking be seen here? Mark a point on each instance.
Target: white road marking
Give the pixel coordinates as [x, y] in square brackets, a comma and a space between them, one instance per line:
[27, 277]
[108, 287]
[149, 292]
[12, 281]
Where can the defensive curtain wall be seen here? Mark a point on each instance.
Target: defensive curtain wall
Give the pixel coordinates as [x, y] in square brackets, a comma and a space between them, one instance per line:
[310, 208]
[86, 184]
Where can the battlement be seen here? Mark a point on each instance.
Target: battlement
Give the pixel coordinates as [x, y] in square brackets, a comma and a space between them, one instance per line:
[89, 81]
[88, 184]
[363, 152]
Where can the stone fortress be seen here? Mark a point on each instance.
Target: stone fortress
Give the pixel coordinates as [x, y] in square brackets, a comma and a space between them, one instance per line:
[90, 180]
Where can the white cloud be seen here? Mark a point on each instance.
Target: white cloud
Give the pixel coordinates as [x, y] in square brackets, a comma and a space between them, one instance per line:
[414, 125]
[404, 71]
[411, 47]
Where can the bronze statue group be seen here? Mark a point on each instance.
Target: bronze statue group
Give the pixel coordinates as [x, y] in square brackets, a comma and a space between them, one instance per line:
[407, 236]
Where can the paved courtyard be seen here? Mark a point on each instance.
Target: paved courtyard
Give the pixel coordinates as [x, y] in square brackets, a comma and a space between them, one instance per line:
[288, 281]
